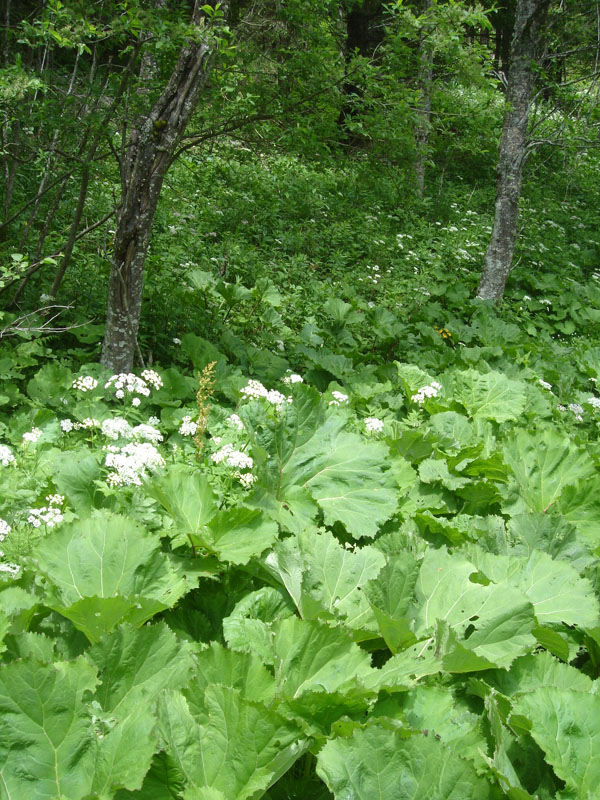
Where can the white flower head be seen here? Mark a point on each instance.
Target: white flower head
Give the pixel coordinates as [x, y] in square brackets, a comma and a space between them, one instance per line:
[247, 479]
[234, 458]
[338, 398]
[85, 383]
[50, 515]
[254, 389]
[235, 422]
[545, 385]
[66, 425]
[293, 378]
[432, 390]
[6, 456]
[188, 427]
[374, 425]
[147, 433]
[116, 428]
[4, 529]
[32, 436]
[131, 462]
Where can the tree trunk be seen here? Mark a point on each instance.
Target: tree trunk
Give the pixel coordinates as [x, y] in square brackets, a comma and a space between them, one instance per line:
[149, 156]
[364, 34]
[513, 143]
[425, 80]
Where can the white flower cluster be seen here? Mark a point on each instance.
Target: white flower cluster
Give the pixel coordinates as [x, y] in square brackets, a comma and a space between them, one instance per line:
[12, 569]
[577, 410]
[256, 389]
[246, 479]
[147, 433]
[6, 456]
[88, 422]
[85, 383]
[545, 385]
[153, 378]
[128, 383]
[594, 402]
[374, 425]
[67, 425]
[235, 458]
[338, 398]
[131, 462]
[426, 391]
[187, 427]
[235, 422]
[289, 379]
[32, 436]
[375, 274]
[49, 515]
[116, 428]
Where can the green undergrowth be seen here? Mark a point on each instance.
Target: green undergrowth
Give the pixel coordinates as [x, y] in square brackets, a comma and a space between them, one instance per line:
[372, 574]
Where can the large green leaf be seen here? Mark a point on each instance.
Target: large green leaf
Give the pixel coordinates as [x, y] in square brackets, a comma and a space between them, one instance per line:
[248, 629]
[490, 396]
[186, 496]
[310, 656]
[239, 748]
[105, 569]
[543, 464]
[237, 534]
[135, 665]
[347, 476]
[379, 764]
[554, 535]
[47, 743]
[329, 577]
[493, 621]
[537, 670]
[566, 725]
[390, 596]
[76, 471]
[125, 750]
[244, 672]
[556, 590]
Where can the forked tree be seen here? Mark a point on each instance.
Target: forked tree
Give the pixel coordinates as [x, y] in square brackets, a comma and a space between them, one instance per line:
[150, 152]
[529, 18]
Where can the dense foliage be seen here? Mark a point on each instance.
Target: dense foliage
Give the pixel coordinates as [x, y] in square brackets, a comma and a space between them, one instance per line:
[337, 533]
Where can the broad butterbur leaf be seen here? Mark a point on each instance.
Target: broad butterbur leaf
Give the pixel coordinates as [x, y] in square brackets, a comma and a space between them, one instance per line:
[346, 475]
[239, 747]
[106, 569]
[47, 742]
[566, 725]
[186, 496]
[544, 464]
[379, 764]
[490, 396]
[493, 621]
[135, 665]
[311, 656]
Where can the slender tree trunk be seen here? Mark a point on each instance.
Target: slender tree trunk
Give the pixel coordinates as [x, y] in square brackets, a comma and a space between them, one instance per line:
[513, 144]
[152, 147]
[424, 111]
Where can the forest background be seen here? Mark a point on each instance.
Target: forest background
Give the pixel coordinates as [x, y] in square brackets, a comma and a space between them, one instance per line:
[337, 535]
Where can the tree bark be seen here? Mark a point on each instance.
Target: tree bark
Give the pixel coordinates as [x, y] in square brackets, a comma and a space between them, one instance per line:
[425, 80]
[149, 156]
[513, 145]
